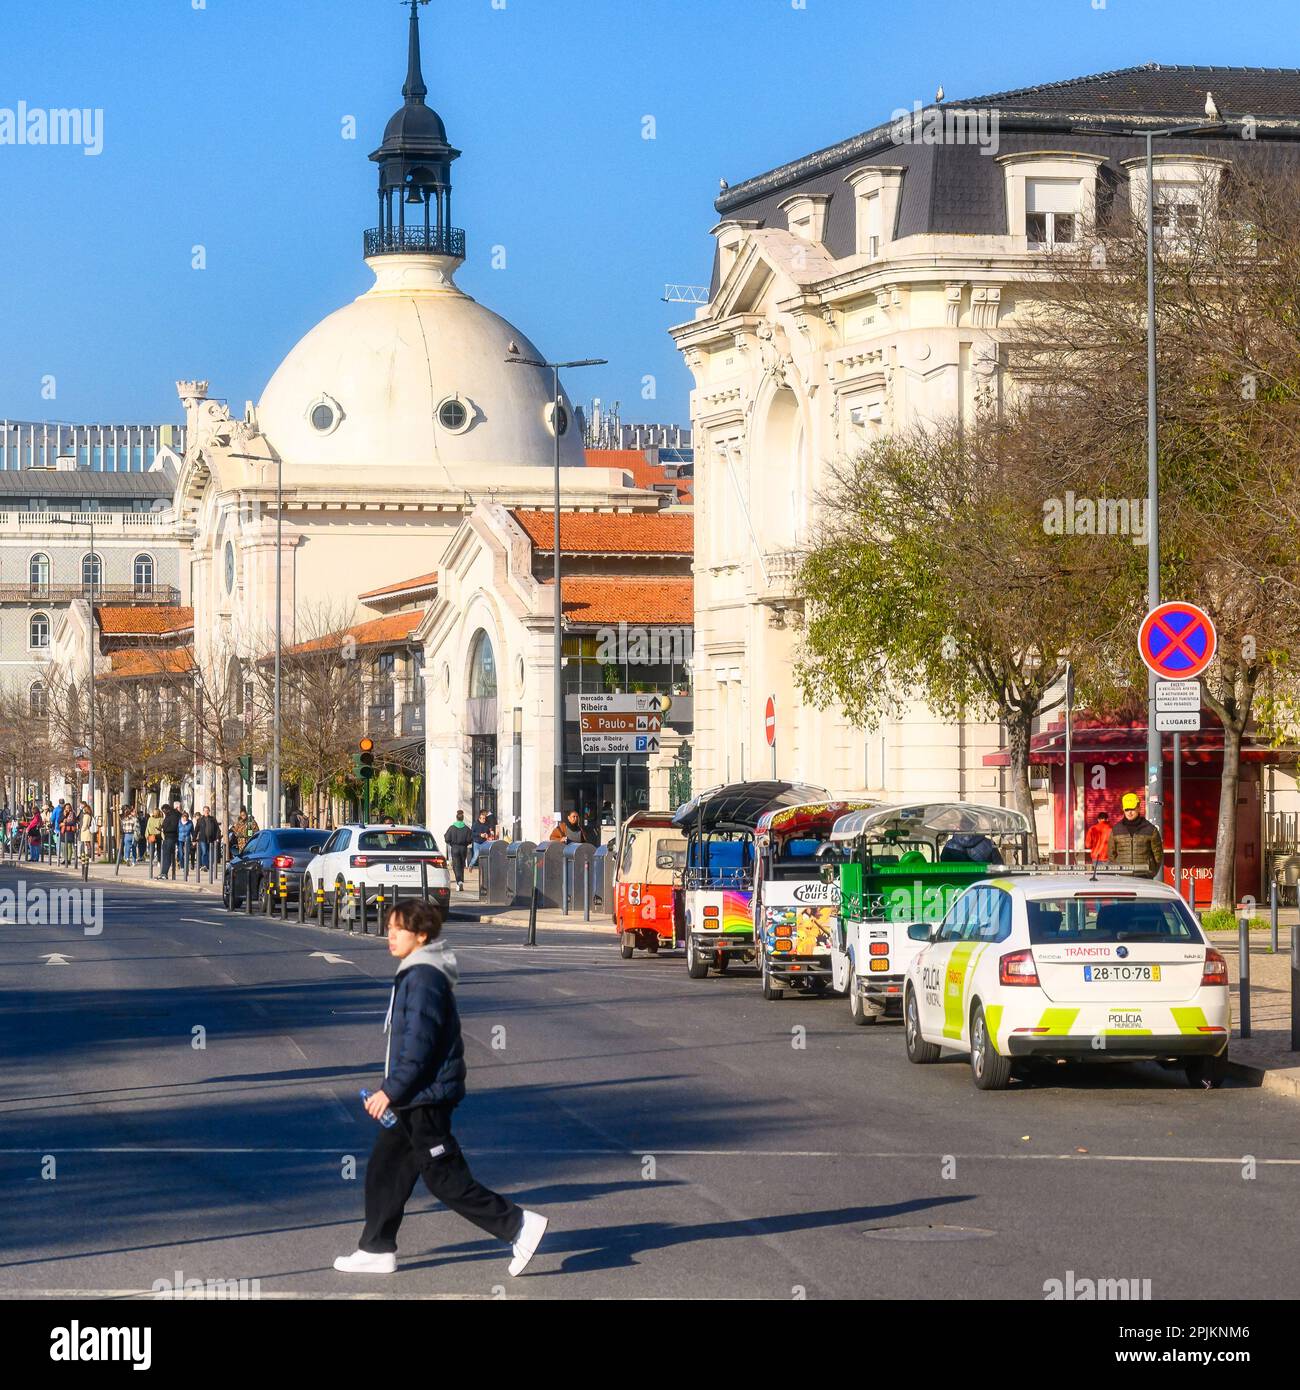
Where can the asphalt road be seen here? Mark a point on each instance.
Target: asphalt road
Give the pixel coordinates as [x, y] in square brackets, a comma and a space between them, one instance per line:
[685, 1137]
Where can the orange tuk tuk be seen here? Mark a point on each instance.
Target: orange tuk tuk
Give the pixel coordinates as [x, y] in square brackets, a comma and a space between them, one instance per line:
[651, 856]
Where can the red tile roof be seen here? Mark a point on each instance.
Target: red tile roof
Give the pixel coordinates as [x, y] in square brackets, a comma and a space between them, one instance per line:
[394, 628]
[421, 581]
[644, 473]
[663, 599]
[153, 620]
[612, 533]
[149, 661]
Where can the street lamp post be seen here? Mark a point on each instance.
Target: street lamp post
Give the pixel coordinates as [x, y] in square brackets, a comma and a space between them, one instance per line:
[1155, 763]
[554, 368]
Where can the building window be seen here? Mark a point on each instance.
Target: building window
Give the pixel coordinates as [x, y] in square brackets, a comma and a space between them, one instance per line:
[324, 414]
[38, 632]
[1051, 212]
[563, 419]
[92, 573]
[1177, 210]
[482, 669]
[143, 571]
[38, 575]
[453, 415]
[37, 702]
[871, 215]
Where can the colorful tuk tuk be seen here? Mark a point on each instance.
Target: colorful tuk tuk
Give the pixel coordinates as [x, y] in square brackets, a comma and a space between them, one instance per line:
[651, 857]
[796, 910]
[716, 926]
[901, 865]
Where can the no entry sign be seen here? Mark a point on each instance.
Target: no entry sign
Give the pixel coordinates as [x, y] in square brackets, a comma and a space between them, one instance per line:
[769, 721]
[1177, 641]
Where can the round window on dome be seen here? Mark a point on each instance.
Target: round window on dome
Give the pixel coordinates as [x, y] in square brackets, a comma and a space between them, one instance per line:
[554, 413]
[324, 414]
[453, 414]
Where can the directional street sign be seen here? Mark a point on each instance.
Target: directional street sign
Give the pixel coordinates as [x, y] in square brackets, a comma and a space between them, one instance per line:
[620, 743]
[1177, 640]
[620, 723]
[624, 704]
[1178, 721]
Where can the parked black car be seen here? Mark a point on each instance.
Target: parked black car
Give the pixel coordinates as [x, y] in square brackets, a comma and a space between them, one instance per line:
[269, 857]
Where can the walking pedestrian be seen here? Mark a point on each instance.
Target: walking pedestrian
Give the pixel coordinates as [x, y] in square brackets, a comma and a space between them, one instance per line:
[87, 827]
[206, 833]
[184, 839]
[171, 820]
[458, 839]
[67, 835]
[34, 837]
[141, 822]
[126, 833]
[1097, 839]
[153, 834]
[423, 1083]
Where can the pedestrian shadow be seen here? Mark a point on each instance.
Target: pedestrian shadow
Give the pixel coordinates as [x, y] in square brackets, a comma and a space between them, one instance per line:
[594, 1248]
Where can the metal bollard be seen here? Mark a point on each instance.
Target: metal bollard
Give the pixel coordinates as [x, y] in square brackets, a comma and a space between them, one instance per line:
[302, 904]
[1272, 914]
[1295, 989]
[248, 898]
[424, 881]
[380, 899]
[531, 938]
[1243, 971]
[359, 908]
[586, 891]
[334, 910]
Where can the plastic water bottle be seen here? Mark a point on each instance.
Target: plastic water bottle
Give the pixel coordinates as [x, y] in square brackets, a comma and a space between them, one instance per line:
[387, 1119]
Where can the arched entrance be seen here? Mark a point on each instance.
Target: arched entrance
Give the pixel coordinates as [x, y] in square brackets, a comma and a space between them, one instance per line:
[481, 726]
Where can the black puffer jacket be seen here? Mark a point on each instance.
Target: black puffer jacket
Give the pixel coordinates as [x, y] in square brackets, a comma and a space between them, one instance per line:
[426, 1056]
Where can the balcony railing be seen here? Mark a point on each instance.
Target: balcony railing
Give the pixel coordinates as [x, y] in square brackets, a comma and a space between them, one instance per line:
[415, 241]
[165, 594]
[106, 523]
[780, 586]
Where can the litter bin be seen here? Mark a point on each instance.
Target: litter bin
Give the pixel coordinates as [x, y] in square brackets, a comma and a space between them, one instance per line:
[493, 872]
[520, 883]
[577, 858]
[552, 875]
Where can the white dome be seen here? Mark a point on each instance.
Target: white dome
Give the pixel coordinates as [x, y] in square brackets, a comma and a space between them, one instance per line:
[371, 383]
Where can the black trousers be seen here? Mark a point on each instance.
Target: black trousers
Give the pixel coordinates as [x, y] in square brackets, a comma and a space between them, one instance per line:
[420, 1145]
[456, 855]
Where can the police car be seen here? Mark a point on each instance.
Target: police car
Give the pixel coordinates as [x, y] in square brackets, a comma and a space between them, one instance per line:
[1087, 966]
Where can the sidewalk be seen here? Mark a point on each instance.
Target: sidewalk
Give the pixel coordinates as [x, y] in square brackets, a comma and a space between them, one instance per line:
[1264, 1058]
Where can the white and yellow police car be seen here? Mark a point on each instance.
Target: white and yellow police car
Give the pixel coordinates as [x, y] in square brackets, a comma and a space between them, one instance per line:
[1086, 966]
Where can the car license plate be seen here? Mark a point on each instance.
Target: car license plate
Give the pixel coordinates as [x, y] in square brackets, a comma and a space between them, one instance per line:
[1121, 974]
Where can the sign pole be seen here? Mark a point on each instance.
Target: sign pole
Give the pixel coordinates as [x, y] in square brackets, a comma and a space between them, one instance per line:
[1178, 814]
[1069, 780]
[618, 801]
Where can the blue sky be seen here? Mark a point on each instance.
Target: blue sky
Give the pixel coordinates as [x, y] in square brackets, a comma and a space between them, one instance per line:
[222, 127]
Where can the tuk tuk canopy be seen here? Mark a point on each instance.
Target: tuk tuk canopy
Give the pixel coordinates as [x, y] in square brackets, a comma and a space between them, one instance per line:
[810, 820]
[929, 821]
[738, 806]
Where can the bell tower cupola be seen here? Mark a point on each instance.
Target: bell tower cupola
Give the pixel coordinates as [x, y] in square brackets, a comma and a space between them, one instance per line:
[415, 172]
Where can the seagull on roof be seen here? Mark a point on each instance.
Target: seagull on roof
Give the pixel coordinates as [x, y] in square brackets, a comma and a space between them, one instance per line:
[1211, 110]
[723, 184]
[938, 96]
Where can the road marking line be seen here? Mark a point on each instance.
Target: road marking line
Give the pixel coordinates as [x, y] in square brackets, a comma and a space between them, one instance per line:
[643, 1149]
[151, 1296]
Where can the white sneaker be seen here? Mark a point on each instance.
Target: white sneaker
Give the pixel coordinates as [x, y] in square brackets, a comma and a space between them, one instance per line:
[530, 1237]
[363, 1262]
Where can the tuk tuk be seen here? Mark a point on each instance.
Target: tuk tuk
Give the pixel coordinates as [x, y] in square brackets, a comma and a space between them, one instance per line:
[901, 865]
[715, 925]
[651, 857]
[796, 911]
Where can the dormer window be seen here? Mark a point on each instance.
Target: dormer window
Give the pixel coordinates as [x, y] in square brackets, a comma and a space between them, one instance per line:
[1187, 187]
[1051, 196]
[876, 189]
[805, 215]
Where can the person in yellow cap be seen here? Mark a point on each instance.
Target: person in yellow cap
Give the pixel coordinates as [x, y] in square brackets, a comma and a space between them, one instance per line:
[1135, 842]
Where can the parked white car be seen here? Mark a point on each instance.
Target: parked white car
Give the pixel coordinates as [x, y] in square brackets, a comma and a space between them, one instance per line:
[1094, 968]
[371, 857]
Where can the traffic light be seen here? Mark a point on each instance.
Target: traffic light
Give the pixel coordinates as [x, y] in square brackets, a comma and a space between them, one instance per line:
[246, 768]
[366, 759]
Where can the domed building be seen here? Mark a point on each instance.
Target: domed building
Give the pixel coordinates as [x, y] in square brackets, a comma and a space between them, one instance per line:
[382, 430]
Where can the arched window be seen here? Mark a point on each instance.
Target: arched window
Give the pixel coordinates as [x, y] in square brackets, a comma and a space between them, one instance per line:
[38, 631]
[38, 575]
[143, 571]
[37, 702]
[482, 669]
[92, 573]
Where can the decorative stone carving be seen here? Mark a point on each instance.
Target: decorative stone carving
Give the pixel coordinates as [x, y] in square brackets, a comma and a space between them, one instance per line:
[986, 305]
[953, 303]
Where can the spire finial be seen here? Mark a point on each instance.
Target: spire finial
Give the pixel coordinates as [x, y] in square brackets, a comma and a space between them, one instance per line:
[413, 89]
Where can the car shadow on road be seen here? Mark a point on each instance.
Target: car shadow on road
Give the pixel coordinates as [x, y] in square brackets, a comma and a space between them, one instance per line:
[593, 1248]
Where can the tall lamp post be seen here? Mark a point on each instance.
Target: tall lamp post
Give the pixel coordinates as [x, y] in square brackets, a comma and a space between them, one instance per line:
[94, 565]
[555, 368]
[1155, 762]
